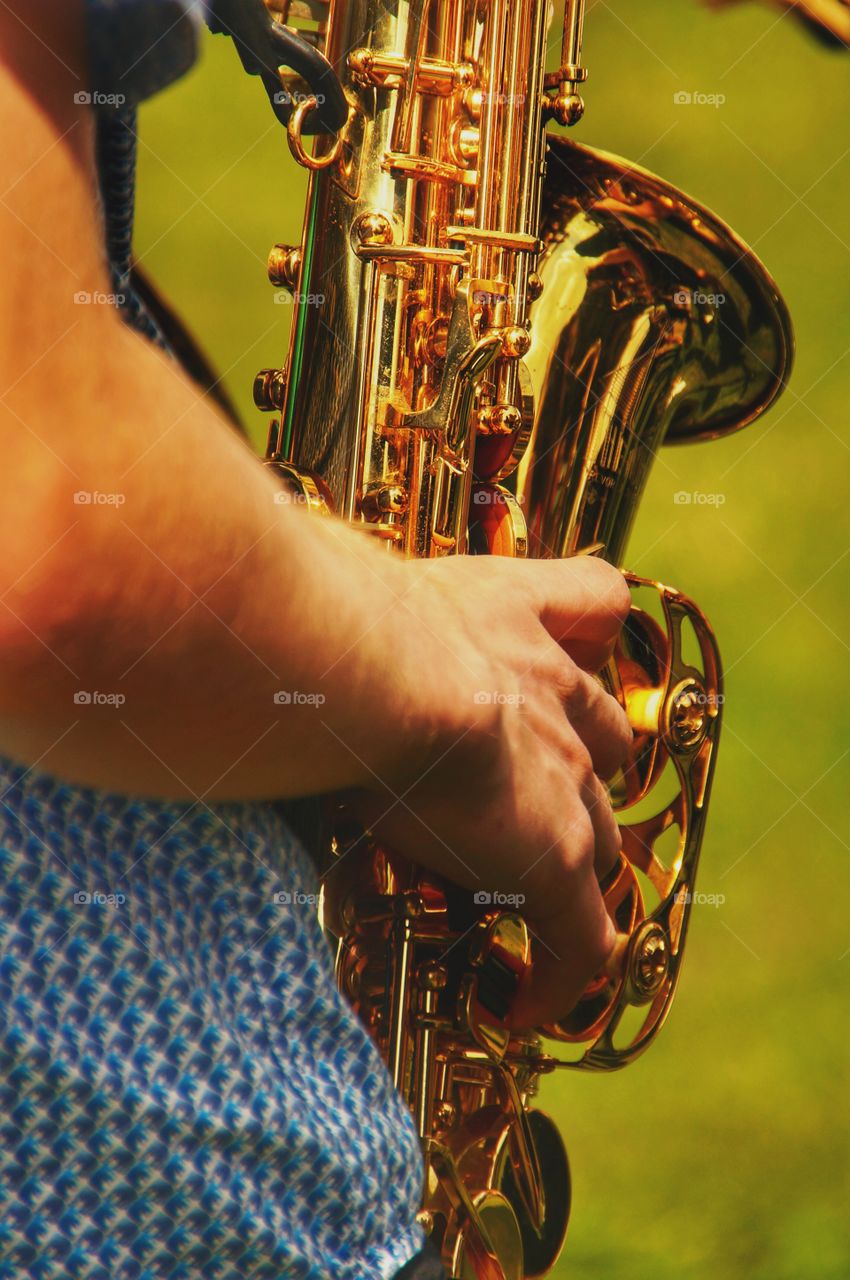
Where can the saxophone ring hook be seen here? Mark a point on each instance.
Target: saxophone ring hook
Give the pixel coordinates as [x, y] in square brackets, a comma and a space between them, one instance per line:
[296, 145]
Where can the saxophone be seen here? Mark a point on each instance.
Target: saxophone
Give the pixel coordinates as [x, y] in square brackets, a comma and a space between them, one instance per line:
[495, 330]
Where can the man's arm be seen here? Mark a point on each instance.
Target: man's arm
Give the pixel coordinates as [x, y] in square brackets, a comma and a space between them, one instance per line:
[193, 596]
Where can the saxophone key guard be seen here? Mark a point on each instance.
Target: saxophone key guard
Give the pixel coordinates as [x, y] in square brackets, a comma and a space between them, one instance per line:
[674, 707]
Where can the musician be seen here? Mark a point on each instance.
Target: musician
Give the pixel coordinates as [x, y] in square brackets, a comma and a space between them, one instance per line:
[184, 1092]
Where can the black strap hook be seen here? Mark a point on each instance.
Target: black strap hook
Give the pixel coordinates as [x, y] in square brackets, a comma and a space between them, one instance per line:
[264, 45]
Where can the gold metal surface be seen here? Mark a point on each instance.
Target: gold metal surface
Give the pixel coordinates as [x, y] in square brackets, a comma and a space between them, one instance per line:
[510, 328]
[656, 324]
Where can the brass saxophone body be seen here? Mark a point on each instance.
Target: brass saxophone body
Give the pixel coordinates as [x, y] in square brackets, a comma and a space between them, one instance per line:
[495, 330]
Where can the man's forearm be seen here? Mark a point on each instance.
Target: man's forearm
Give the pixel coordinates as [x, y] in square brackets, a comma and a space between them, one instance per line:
[227, 631]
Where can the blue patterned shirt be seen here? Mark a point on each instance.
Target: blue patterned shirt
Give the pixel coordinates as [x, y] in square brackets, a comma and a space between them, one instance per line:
[183, 1091]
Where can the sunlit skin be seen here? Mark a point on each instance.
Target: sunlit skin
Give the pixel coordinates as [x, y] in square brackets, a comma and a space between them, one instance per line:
[197, 597]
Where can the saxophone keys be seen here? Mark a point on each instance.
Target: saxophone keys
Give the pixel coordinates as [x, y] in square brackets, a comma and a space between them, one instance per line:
[385, 500]
[645, 708]
[566, 108]
[499, 420]
[270, 389]
[284, 266]
[649, 963]
[680, 718]
[373, 228]
[463, 143]
[640, 960]
[688, 712]
[516, 341]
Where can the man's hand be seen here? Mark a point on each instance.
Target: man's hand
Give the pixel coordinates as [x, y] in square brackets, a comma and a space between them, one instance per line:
[509, 795]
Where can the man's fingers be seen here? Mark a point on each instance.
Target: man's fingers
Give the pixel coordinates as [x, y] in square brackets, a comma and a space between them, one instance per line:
[582, 602]
[606, 833]
[597, 718]
[569, 949]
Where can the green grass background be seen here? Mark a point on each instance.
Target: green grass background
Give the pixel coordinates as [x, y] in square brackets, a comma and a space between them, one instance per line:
[725, 1151]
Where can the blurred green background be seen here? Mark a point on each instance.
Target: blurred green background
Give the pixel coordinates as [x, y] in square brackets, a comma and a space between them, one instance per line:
[725, 1151]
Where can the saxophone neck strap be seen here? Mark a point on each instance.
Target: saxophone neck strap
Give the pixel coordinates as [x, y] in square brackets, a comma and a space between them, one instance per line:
[264, 46]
